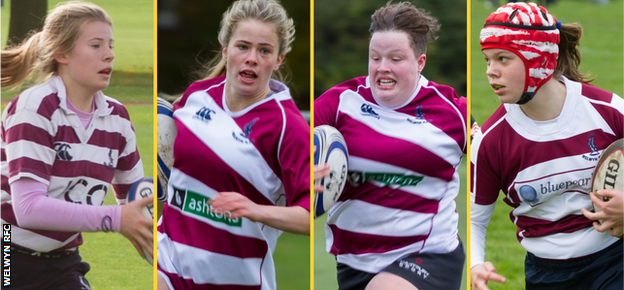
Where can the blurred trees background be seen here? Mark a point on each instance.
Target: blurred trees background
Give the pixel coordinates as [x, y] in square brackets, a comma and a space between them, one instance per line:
[341, 40]
[26, 15]
[187, 39]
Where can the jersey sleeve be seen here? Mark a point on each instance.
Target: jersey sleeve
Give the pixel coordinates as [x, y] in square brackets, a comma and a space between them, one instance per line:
[462, 104]
[618, 103]
[129, 166]
[294, 156]
[481, 211]
[326, 108]
[486, 180]
[29, 141]
[480, 216]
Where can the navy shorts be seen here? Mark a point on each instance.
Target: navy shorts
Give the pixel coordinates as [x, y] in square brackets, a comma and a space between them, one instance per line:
[65, 271]
[424, 271]
[600, 271]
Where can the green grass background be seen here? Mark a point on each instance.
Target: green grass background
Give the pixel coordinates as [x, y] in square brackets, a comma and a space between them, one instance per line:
[602, 55]
[115, 264]
[325, 263]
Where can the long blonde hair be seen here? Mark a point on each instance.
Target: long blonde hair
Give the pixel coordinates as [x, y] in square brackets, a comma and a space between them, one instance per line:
[35, 55]
[266, 11]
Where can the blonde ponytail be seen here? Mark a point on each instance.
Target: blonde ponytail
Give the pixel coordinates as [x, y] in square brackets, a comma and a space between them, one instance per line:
[18, 62]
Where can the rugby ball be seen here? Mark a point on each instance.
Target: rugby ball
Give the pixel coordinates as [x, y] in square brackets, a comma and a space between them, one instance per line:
[331, 149]
[144, 188]
[609, 173]
[166, 133]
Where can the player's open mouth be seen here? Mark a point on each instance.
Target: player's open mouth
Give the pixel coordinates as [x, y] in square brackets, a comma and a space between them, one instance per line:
[248, 75]
[386, 83]
[498, 88]
[106, 71]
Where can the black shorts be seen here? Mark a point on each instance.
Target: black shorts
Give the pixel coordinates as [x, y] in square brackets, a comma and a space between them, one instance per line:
[59, 272]
[424, 271]
[600, 271]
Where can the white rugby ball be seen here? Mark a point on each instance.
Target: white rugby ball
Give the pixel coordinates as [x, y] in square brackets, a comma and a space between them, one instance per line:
[144, 188]
[331, 149]
[609, 173]
[166, 134]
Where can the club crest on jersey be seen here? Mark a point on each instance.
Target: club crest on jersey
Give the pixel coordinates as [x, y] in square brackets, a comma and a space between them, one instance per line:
[204, 114]
[419, 117]
[595, 154]
[243, 137]
[62, 151]
[110, 162]
[367, 110]
[197, 205]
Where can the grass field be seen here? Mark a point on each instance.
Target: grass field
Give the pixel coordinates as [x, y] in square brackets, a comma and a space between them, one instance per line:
[325, 263]
[115, 264]
[602, 55]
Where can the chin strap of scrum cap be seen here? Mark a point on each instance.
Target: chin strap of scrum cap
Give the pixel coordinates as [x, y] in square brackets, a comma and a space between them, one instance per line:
[525, 98]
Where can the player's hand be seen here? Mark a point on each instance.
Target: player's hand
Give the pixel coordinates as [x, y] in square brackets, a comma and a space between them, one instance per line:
[320, 171]
[237, 204]
[612, 212]
[292, 219]
[136, 227]
[482, 273]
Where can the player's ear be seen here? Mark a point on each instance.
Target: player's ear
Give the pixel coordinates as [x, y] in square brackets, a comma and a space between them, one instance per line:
[224, 53]
[61, 58]
[279, 62]
[421, 60]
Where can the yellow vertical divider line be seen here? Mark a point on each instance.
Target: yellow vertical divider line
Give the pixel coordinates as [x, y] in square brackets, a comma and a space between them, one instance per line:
[468, 114]
[311, 144]
[154, 131]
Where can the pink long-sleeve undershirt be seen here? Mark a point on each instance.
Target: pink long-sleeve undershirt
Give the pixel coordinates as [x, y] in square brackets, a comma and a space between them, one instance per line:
[34, 209]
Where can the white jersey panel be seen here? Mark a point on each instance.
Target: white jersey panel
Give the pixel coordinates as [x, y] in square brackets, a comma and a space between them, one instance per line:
[222, 269]
[222, 128]
[557, 246]
[378, 219]
[393, 125]
[32, 240]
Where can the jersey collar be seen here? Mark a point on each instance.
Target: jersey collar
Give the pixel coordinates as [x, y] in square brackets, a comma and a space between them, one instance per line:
[101, 105]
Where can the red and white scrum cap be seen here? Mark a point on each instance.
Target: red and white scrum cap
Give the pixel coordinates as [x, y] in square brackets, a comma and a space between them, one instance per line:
[530, 32]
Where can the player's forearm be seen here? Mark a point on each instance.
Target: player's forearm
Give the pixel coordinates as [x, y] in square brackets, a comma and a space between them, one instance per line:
[292, 219]
[35, 210]
[479, 219]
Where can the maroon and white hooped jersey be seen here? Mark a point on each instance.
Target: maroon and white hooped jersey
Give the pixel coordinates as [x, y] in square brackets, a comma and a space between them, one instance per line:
[261, 152]
[44, 140]
[544, 170]
[415, 152]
